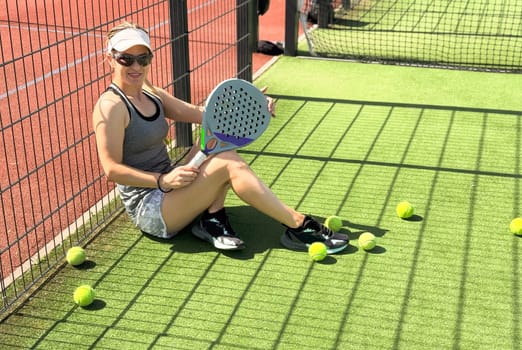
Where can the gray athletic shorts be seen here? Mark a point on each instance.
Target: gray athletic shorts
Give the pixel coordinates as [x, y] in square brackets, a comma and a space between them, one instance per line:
[148, 215]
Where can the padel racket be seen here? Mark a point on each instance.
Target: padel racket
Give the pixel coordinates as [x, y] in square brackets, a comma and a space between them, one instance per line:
[236, 114]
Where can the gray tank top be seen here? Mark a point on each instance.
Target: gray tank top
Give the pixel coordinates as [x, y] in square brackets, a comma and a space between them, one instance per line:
[144, 143]
[143, 147]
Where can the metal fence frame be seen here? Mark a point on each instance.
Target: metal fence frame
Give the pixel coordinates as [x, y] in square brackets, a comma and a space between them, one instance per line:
[36, 233]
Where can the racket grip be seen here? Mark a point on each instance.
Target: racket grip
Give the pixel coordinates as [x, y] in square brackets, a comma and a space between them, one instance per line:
[198, 159]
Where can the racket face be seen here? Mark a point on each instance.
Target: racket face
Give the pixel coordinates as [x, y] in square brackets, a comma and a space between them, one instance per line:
[236, 114]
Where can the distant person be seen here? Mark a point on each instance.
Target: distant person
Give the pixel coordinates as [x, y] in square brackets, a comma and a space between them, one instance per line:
[129, 120]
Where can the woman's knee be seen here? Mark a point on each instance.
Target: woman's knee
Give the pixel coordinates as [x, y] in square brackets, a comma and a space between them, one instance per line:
[235, 163]
[222, 169]
[229, 160]
[229, 155]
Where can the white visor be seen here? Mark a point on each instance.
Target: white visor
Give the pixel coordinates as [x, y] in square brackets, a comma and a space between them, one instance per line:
[127, 38]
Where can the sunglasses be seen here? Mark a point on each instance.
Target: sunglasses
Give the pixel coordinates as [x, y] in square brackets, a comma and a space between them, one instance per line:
[127, 60]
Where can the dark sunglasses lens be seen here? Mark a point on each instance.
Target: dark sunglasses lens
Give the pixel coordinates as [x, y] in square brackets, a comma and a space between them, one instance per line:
[128, 60]
[125, 60]
[144, 60]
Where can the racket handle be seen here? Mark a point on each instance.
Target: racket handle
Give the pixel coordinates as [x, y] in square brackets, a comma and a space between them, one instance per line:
[198, 159]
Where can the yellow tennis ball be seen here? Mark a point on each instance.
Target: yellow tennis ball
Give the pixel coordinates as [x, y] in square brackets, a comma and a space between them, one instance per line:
[317, 251]
[516, 226]
[334, 223]
[83, 295]
[367, 241]
[404, 210]
[75, 256]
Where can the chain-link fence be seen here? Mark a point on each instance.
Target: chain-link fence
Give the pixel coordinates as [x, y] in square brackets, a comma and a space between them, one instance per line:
[52, 190]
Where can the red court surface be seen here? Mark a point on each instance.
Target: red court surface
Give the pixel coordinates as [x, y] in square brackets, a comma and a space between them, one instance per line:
[44, 152]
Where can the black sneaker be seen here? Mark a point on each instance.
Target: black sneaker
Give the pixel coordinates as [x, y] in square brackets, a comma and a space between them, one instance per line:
[311, 231]
[216, 229]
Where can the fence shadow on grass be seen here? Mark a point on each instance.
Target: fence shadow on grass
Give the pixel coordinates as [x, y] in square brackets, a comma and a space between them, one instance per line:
[156, 259]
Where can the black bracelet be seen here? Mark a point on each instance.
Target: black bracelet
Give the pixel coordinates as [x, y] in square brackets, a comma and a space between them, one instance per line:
[159, 186]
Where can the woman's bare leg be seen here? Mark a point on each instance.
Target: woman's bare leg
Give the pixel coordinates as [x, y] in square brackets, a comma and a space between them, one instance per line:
[219, 203]
[225, 170]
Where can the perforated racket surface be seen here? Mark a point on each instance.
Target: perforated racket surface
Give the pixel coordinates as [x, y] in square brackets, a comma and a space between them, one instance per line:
[236, 114]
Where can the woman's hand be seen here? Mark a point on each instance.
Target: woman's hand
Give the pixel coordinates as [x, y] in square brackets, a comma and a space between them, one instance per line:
[179, 177]
[270, 101]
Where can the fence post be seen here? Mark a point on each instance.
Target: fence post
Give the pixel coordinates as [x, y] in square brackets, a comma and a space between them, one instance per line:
[244, 39]
[291, 27]
[181, 65]
[324, 13]
[253, 16]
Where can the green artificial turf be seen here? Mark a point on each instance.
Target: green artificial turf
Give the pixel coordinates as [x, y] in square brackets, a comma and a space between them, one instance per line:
[447, 33]
[350, 140]
[393, 84]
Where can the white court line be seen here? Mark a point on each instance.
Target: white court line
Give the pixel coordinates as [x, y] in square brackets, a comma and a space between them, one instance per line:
[62, 68]
[53, 72]
[38, 29]
[48, 75]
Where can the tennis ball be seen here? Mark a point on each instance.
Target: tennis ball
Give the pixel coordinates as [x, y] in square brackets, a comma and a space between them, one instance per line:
[317, 251]
[404, 210]
[75, 256]
[83, 295]
[334, 223]
[367, 241]
[516, 226]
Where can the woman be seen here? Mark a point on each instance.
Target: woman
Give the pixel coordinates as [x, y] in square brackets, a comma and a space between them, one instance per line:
[130, 127]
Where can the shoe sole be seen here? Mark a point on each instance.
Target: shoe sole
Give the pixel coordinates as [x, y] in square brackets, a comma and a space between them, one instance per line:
[201, 234]
[292, 245]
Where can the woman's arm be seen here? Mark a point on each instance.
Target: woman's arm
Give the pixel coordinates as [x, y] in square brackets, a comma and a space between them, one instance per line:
[179, 110]
[110, 118]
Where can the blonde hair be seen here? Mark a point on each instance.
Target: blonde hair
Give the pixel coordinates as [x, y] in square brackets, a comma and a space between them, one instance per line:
[125, 25]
